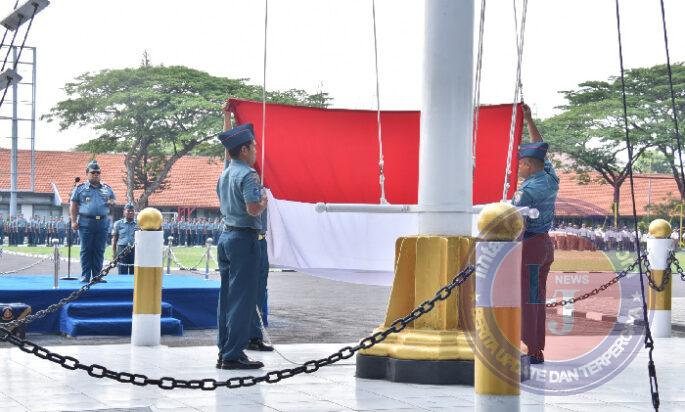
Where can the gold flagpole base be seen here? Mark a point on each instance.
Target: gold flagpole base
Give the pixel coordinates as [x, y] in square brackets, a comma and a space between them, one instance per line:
[424, 264]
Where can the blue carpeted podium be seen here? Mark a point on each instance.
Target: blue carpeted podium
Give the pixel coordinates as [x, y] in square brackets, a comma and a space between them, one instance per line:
[106, 309]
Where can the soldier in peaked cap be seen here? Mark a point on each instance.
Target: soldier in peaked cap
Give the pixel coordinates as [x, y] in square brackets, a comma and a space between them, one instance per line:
[90, 203]
[242, 203]
[538, 190]
[123, 234]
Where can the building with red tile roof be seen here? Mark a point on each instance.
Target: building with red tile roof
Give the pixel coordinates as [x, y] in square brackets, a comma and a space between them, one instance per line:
[192, 183]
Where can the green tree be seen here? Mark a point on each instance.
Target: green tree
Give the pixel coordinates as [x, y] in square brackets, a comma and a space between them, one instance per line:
[652, 161]
[155, 115]
[589, 131]
[652, 103]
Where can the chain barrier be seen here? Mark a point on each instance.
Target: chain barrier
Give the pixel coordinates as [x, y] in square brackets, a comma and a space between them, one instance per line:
[209, 384]
[667, 274]
[599, 289]
[678, 268]
[72, 297]
[39, 261]
[193, 269]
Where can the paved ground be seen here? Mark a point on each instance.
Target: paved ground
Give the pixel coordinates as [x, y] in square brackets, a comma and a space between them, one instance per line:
[31, 384]
[304, 309]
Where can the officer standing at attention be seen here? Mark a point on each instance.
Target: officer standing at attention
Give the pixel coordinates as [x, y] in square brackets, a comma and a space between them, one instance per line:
[21, 229]
[241, 203]
[123, 234]
[90, 204]
[256, 338]
[538, 190]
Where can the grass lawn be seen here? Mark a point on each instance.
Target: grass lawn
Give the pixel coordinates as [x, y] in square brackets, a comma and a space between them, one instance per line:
[564, 260]
[187, 256]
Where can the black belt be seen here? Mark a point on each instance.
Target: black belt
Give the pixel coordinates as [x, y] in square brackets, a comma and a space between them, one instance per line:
[96, 217]
[240, 229]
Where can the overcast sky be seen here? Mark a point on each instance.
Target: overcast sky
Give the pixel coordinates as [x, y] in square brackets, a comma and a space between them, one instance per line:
[329, 44]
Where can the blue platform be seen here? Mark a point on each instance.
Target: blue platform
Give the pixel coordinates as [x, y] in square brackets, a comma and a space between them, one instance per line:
[187, 303]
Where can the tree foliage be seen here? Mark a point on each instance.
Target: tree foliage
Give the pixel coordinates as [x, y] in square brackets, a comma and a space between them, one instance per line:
[156, 115]
[590, 129]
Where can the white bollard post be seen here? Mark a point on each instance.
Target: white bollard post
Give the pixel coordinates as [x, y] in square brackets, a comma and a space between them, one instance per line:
[659, 247]
[147, 287]
[497, 368]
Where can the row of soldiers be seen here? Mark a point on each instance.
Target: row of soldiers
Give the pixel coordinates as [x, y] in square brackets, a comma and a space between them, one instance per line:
[568, 236]
[40, 230]
[34, 231]
[192, 232]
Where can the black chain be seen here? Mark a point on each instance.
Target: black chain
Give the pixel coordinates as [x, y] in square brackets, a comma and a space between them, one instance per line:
[72, 297]
[99, 371]
[667, 274]
[679, 269]
[602, 288]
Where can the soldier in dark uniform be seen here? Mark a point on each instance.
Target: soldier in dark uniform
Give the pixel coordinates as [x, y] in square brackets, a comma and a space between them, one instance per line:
[182, 227]
[238, 252]
[21, 230]
[43, 234]
[61, 227]
[257, 339]
[123, 234]
[538, 190]
[89, 209]
[166, 229]
[2, 230]
[30, 227]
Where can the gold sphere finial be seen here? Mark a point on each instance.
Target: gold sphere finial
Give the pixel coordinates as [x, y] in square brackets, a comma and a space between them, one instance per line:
[499, 221]
[149, 219]
[660, 229]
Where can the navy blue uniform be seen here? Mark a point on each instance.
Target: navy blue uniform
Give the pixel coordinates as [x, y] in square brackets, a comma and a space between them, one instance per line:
[262, 290]
[238, 255]
[538, 191]
[93, 228]
[21, 230]
[125, 232]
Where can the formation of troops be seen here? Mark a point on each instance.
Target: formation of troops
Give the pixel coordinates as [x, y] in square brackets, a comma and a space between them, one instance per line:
[568, 236]
[34, 231]
[41, 230]
[192, 232]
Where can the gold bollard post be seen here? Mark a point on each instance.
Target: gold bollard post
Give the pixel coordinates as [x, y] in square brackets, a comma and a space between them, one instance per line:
[659, 247]
[147, 287]
[498, 309]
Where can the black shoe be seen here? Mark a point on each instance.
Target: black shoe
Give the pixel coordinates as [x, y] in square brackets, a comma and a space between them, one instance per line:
[101, 280]
[259, 345]
[536, 357]
[84, 279]
[241, 364]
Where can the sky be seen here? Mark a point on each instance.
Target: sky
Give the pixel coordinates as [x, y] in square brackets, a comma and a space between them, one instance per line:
[328, 44]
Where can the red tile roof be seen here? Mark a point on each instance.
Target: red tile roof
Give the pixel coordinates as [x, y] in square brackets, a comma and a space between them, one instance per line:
[192, 183]
[649, 188]
[192, 180]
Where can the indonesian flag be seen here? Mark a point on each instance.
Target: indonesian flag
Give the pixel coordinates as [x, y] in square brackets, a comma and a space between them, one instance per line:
[331, 155]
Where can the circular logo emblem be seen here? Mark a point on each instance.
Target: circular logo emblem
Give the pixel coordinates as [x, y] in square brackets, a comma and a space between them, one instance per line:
[584, 344]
